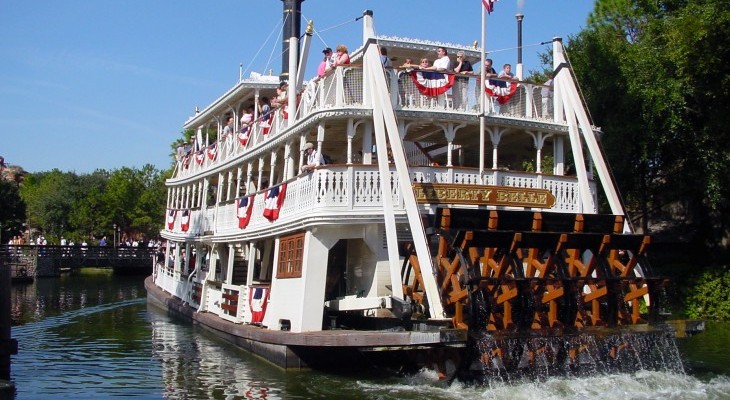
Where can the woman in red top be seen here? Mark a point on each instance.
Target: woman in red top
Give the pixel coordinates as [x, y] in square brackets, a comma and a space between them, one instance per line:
[341, 57]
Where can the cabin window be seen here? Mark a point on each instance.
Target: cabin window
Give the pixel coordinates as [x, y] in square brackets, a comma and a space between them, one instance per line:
[291, 252]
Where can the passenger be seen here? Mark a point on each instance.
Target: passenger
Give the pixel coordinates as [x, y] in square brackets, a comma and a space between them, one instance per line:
[246, 119]
[228, 129]
[180, 153]
[187, 148]
[384, 58]
[326, 62]
[489, 71]
[264, 107]
[443, 62]
[424, 64]
[265, 115]
[313, 158]
[547, 97]
[506, 72]
[463, 69]
[281, 95]
[408, 63]
[341, 57]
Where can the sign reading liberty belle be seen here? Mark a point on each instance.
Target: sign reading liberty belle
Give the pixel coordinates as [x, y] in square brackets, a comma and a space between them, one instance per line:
[434, 193]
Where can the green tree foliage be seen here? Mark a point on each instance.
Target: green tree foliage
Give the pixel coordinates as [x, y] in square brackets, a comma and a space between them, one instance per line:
[12, 210]
[656, 79]
[709, 297]
[89, 205]
[88, 212]
[49, 198]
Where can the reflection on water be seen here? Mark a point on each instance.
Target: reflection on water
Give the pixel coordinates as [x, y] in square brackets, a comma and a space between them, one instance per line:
[93, 336]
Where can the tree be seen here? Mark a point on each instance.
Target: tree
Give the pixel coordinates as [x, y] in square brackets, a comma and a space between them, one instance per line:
[12, 211]
[49, 198]
[655, 78]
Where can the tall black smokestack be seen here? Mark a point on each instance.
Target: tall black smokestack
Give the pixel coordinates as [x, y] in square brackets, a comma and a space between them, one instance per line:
[292, 28]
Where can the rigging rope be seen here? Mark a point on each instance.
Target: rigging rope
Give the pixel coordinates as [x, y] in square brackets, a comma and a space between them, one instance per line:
[277, 28]
[317, 32]
[577, 84]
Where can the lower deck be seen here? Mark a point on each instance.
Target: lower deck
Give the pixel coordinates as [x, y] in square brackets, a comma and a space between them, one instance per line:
[302, 350]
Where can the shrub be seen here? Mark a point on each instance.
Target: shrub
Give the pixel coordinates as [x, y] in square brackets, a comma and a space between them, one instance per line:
[709, 295]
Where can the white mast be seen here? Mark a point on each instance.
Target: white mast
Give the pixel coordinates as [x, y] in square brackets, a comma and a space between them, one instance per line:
[384, 123]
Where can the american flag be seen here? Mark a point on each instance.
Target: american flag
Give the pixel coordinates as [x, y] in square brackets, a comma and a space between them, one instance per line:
[489, 5]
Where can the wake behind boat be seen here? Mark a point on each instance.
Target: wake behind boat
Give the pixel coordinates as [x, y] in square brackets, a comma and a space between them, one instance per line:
[404, 216]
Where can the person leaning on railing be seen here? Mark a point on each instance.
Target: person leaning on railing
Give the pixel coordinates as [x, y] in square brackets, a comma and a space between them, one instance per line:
[462, 69]
[313, 158]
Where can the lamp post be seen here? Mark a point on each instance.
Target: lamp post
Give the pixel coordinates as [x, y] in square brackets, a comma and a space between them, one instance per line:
[114, 233]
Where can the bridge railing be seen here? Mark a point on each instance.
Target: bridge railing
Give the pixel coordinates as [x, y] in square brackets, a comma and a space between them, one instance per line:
[87, 252]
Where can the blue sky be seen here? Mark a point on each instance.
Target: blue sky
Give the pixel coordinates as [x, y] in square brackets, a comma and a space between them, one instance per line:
[103, 84]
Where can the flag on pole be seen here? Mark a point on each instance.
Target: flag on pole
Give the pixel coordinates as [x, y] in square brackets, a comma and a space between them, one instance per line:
[489, 5]
[243, 211]
[273, 200]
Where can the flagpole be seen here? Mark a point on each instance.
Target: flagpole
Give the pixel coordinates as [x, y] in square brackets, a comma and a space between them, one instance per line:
[482, 95]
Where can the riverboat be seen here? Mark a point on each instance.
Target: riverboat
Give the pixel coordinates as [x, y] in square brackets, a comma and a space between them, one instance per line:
[442, 221]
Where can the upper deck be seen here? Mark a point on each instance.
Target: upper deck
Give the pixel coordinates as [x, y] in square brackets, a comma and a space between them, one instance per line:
[522, 139]
[525, 120]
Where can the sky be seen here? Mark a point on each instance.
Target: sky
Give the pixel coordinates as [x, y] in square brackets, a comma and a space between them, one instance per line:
[105, 84]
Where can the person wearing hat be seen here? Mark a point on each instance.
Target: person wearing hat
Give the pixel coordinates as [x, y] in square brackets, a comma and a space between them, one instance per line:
[326, 61]
[313, 158]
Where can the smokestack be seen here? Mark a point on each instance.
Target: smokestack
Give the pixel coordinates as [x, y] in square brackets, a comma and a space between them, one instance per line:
[292, 28]
[518, 71]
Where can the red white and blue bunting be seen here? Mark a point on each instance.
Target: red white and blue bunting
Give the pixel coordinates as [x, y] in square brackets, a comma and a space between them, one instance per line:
[273, 200]
[431, 83]
[258, 297]
[244, 206]
[199, 157]
[171, 218]
[185, 220]
[212, 151]
[501, 90]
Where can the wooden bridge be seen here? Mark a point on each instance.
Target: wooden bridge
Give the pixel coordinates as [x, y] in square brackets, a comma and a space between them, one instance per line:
[29, 261]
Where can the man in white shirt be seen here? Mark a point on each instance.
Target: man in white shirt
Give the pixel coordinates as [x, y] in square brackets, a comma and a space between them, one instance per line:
[443, 62]
[313, 158]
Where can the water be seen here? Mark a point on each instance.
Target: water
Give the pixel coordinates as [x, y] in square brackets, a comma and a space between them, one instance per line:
[93, 336]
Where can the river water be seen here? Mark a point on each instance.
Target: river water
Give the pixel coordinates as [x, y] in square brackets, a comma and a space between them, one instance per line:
[91, 335]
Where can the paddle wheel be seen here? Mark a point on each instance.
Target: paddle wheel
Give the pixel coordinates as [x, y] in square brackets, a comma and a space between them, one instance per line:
[505, 275]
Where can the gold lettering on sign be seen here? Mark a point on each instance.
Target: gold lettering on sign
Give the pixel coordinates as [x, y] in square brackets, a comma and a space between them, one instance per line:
[439, 193]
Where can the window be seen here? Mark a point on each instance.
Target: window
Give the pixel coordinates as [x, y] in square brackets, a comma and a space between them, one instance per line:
[291, 252]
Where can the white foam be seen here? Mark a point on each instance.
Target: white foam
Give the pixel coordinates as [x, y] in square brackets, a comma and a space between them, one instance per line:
[640, 385]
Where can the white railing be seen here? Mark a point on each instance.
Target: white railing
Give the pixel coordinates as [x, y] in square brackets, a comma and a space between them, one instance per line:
[336, 192]
[344, 88]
